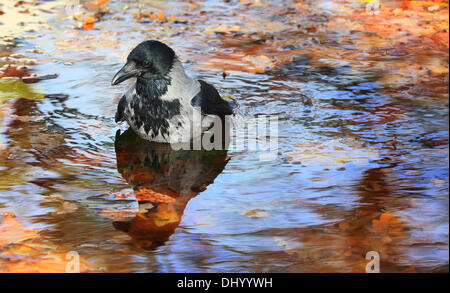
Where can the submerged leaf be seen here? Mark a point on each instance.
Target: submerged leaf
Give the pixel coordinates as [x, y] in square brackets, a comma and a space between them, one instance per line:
[15, 88]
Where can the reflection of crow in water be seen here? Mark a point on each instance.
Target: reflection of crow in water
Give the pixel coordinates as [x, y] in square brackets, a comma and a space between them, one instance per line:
[164, 181]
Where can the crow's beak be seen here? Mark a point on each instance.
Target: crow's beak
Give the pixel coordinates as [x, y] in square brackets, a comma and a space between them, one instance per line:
[127, 71]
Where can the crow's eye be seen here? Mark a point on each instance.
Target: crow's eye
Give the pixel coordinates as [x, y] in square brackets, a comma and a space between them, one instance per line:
[147, 63]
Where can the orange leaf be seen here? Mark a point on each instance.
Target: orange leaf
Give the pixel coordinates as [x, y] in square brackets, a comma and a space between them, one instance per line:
[311, 28]
[11, 231]
[387, 224]
[172, 19]
[148, 194]
[89, 20]
[162, 17]
[13, 72]
[139, 14]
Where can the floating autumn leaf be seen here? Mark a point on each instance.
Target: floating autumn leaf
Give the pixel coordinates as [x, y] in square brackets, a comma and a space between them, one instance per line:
[148, 194]
[139, 14]
[223, 28]
[174, 19]
[89, 20]
[311, 28]
[16, 88]
[88, 23]
[12, 230]
[387, 225]
[11, 71]
[162, 17]
[256, 213]
[159, 17]
[19, 3]
[150, 15]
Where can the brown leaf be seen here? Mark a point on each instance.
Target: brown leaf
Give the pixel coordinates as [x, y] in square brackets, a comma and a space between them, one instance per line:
[13, 72]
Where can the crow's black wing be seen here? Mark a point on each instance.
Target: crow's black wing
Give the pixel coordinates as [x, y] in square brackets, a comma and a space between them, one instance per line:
[210, 102]
[129, 95]
[120, 115]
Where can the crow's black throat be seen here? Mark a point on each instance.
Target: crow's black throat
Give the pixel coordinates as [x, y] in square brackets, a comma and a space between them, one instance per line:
[150, 110]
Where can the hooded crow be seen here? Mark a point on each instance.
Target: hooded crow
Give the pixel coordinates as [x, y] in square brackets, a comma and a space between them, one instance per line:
[163, 99]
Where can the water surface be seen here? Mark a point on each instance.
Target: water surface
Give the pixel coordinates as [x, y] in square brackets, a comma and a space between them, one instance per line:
[362, 163]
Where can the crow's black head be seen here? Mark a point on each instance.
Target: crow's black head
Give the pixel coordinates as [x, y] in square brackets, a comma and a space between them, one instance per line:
[149, 60]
